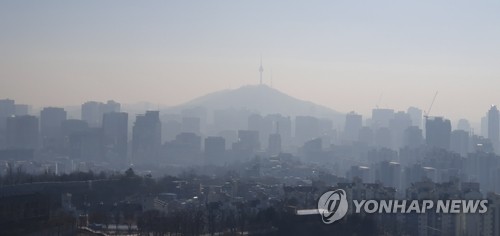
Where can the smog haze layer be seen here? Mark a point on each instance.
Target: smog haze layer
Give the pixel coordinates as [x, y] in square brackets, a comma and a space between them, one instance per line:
[340, 54]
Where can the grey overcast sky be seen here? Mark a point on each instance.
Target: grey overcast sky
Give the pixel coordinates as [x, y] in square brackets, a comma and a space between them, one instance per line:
[342, 54]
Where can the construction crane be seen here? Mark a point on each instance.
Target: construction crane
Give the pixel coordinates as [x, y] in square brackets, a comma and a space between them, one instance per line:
[426, 113]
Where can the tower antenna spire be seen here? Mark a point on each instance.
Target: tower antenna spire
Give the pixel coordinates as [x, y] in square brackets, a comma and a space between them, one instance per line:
[261, 69]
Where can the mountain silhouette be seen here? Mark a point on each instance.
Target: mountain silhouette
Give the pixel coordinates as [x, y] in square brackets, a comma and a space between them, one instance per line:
[262, 99]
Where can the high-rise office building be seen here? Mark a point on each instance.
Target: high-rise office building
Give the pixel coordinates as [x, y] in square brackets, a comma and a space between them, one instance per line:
[274, 144]
[110, 106]
[365, 136]
[51, 119]
[388, 173]
[22, 132]
[189, 142]
[247, 140]
[283, 126]
[493, 127]
[146, 137]
[92, 112]
[69, 128]
[87, 145]
[72, 126]
[381, 117]
[115, 132]
[484, 126]
[353, 123]
[383, 138]
[464, 125]
[398, 125]
[438, 132]
[184, 149]
[413, 137]
[416, 116]
[459, 142]
[7, 109]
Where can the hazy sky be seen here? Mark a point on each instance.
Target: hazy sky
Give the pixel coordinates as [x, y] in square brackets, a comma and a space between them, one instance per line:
[342, 54]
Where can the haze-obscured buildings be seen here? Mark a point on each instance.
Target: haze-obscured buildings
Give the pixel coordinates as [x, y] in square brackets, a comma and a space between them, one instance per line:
[146, 137]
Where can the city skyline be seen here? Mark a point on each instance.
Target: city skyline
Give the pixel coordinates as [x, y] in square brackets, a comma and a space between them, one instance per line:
[220, 117]
[74, 109]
